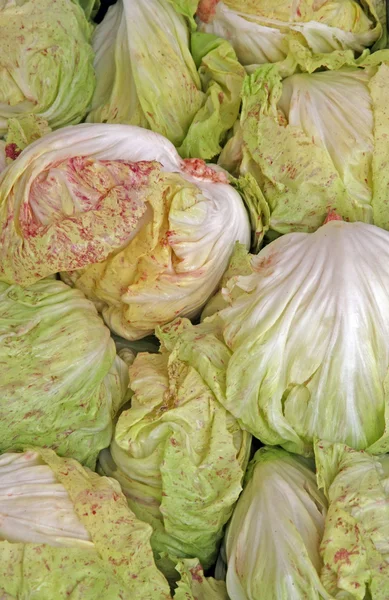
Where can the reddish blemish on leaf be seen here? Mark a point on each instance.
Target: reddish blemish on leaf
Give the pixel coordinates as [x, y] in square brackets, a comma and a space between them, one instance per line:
[332, 216]
[199, 169]
[196, 573]
[206, 10]
[344, 555]
[265, 264]
[12, 151]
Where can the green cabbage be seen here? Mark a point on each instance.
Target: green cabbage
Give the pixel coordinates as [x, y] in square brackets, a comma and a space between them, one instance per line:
[61, 383]
[178, 455]
[259, 30]
[303, 340]
[143, 233]
[355, 546]
[147, 76]
[46, 61]
[66, 532]
[271, 548]
[315, 139]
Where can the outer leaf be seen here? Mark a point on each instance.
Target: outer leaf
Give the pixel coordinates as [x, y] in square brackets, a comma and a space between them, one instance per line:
[257, 207]
[240, 264]
[49, 397]
[194, 586]
[90, 7]
[186, 8]
[272, 542]
[63, 205]
[222, 79]
[355, 546]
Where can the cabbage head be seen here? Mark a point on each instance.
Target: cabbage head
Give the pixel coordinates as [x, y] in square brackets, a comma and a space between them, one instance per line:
[46, 61]
[259, 30]
[66, 532]
[313, 134]
[178, 454]
[306, 334]
[61, 382]
[150, 72]
[271, 547]
[143, 233]
[355, 546]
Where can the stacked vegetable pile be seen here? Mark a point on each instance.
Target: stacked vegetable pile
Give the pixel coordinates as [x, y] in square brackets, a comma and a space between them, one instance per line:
[194, 300]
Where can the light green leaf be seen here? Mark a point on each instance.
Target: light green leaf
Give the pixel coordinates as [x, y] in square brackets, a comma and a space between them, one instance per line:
[222, 79]
[271, 548]
[355, 546]
[193, 585]
[90, 7]
[186, 8]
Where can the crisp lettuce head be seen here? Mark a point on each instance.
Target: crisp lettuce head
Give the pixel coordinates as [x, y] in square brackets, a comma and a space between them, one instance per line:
[259, 30]
[355, 545]
[178, 455]
[150, 73]
[61, 383]
[67, 532]
[46, 61]
[307, 336]
[143, 233]
[271, 548]
[315, 139]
